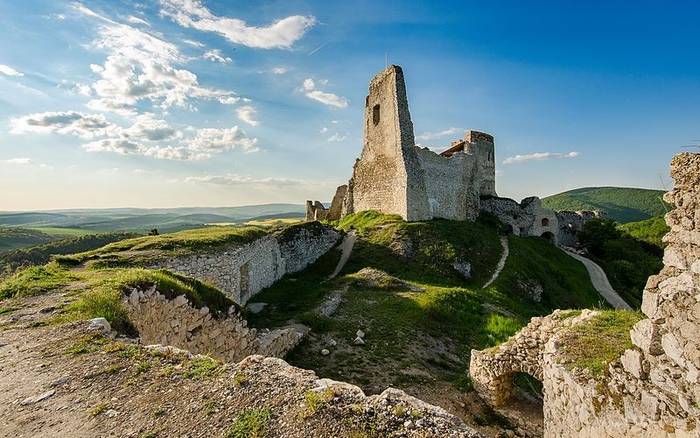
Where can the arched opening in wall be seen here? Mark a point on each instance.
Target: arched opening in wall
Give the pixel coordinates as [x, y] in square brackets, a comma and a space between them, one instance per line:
[545, 222]
[375, 115]
[549, 237]
[525, 405]
[508, 229]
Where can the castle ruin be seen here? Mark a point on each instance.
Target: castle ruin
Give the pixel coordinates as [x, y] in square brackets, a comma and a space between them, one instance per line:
[395, 176]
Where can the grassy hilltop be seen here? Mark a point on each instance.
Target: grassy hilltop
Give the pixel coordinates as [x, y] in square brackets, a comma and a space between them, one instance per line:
[619, 203]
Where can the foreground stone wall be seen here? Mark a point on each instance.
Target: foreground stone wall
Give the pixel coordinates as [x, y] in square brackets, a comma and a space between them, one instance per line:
[243, 271]
[653, 389]
[176, 322]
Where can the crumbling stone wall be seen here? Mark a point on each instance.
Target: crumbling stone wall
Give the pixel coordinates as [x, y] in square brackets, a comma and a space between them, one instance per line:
[492, 370]
[176, 322]
[451, 184]
[243, 271]
[653, 389]
[530, 218]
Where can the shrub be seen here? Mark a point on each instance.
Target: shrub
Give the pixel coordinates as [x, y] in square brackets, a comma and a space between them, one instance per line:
[251, 423]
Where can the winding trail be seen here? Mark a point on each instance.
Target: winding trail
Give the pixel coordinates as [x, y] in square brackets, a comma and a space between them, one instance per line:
[346, 248]
[600, 282]
[501, 262]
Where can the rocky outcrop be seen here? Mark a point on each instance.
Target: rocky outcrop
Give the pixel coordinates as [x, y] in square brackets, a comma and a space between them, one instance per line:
[653, 389]
[244, 270]
[176, 322]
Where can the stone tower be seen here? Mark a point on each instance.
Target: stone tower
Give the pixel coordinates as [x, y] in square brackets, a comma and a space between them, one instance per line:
[481, 145]
[388, 176]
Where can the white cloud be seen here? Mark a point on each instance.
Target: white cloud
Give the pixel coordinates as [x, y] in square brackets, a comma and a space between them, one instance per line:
[141, 66]
[82, 89]
[193, 43]
[215, 55]
[118, 145]
[136, 20]
[18, 161]
[337, 137]
[323, 130]
[67, 122]
[539, 156]
[280, 34]
[210, 141]
[433, 135]
[330, 99]
[247, 114]
[279, 70]
[148, 135]
[230, 179]
[9, 71]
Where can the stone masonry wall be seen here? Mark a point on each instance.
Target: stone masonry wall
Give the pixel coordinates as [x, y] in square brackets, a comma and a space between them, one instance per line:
[450, 184]
[176, 322]
[653, 389]
[243, 271]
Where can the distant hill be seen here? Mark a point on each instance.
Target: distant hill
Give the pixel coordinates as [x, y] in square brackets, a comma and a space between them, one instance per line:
[13, 238]
[620, 203]
[141, 220]
[649, 230]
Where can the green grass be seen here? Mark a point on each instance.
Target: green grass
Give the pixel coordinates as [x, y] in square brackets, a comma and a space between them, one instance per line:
[201, 367]
[63, 232]
[650, 231]
[251, 423]
[100, 292]
[533, 263]
[36, 281]
[619, 203]
[40, 254]
[596, 343]
[147, 249]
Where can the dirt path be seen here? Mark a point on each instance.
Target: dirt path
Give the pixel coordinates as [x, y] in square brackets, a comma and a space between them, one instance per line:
[346, 248]
[501, 262]
[600, 282]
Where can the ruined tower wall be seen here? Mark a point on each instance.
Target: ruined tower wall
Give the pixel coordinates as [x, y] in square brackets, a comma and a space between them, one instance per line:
[481, 145]
[388, 177]
[449, 184]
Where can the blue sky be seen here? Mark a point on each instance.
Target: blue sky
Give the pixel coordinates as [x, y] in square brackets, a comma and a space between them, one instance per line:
[211, 103]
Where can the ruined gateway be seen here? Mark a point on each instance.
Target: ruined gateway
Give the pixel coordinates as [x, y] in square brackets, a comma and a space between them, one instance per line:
[395, 176]
[653, 388]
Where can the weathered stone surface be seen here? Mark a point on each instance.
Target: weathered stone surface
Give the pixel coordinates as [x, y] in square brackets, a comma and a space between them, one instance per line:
[175, 323]
[653, 389]
[243, 271]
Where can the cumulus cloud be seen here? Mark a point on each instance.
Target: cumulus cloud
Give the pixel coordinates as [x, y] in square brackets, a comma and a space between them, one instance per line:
[308, 87]
[215, 55]
[66, 122]
[9, 71]
[247, 114]
[141, 66]
[540, 156]
[118, 145]
[440, 134]
[209, 141]
[280, 34]
[148, 135]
